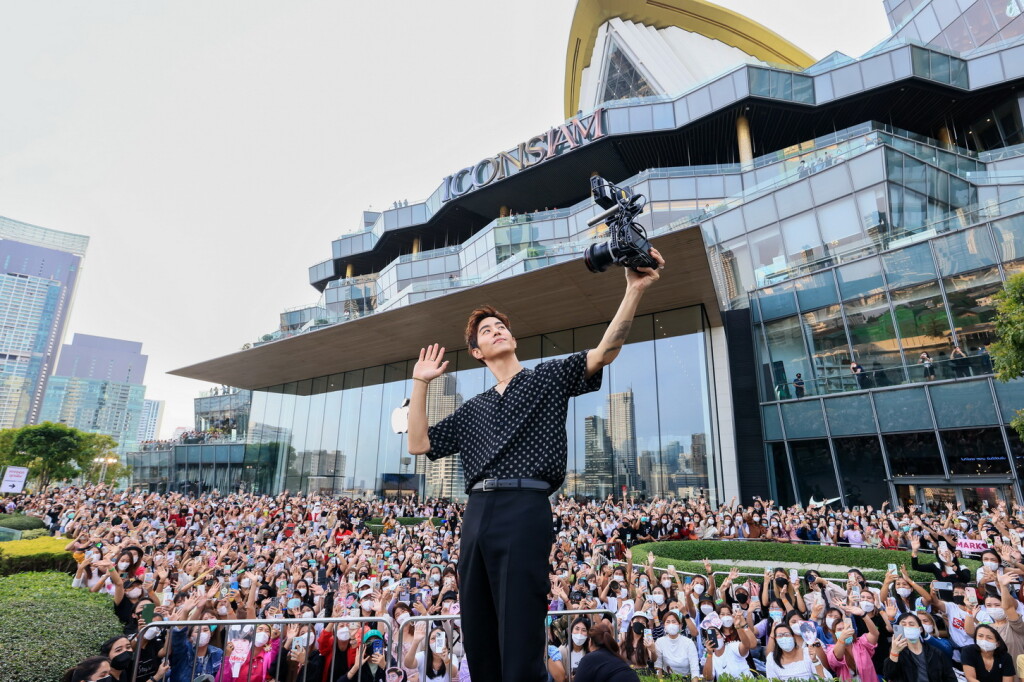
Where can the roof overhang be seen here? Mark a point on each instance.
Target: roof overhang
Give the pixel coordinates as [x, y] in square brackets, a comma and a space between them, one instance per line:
[697, 16]
[541, 301]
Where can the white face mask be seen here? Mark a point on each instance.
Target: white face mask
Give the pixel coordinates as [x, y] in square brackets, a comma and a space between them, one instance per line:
[986, 645]
[829, 622]
[344, 634]
[261, 639]
[367, 605]
[706, 609]
[698, 588]
[667, 583]
[989, 565]
[786, 643]
[928, 627]
[867, 606]
[904, 591]
[580, 640]
[302, 591]
[134, 593]
[204, 638]
[151, 634]
[912, 634]
[727, 621]
[996, 612]
[402, 617]
[672, 629]
[246, 583]
[123, 565]
[658, 599]
[222, 610]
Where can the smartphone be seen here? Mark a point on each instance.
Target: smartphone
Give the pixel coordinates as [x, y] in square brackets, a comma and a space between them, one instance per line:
[792, 575]
[855, 590]
[892, 569]
[233, 584]
[378, 646]
[403, 596]
[648, 633]
[944, 586]
[688, 579]
[148, 578]
[737, 609]
[294, 603]
[970, 597]
[147, 613]
[897, 630]
[943, 545]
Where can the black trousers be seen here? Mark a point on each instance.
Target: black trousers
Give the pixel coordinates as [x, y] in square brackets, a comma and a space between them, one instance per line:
[503, 580]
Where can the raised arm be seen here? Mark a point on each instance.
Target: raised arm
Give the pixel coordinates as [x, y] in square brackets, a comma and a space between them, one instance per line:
[430, 366]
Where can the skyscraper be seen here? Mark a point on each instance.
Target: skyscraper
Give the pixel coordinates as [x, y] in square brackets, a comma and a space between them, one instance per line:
[597, 452]
[444, 477]
[622, 434]
[98, 387]
[150, 419]
[39, 272]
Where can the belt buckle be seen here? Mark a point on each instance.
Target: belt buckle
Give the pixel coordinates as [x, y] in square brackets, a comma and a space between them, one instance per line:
[490, 484]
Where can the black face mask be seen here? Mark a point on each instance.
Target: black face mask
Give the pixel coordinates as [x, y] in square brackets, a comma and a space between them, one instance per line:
[741, 598]
[122, 661]
[958, 599]
[781, 582]
[638, 628]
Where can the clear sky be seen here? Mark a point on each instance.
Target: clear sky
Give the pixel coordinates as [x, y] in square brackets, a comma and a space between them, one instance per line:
[212, 150]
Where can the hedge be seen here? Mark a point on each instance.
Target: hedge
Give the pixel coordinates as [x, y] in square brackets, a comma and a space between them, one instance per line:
[689, 555]
[34, 533]
[21, 522]
[47, 626]
[41, 554]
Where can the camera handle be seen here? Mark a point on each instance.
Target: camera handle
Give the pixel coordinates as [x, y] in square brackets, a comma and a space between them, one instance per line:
[604, 215]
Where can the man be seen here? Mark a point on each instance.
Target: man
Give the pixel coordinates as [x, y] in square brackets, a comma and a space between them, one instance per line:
[799, 386]
[513, 444]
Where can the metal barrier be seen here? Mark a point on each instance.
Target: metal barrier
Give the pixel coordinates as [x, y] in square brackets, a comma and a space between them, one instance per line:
[400, 649]
[253, 625]
[576, 612]
[713, 573]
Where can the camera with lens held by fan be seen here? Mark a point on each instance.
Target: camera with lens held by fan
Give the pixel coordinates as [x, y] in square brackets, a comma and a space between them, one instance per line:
[627, 243]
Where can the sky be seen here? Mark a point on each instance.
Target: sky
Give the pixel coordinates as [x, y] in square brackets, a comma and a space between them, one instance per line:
[212, 150]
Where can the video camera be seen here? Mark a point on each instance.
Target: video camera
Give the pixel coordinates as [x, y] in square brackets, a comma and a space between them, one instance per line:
[627, 244]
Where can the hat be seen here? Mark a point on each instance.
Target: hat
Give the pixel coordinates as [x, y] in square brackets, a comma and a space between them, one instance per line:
[450, 594]
[641, 614]
[370, 634]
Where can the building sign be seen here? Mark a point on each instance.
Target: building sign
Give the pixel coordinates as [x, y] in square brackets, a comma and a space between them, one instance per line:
[538, 149]
[14, 480]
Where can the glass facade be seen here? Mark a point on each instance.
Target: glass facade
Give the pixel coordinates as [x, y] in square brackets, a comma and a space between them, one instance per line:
[647, 431]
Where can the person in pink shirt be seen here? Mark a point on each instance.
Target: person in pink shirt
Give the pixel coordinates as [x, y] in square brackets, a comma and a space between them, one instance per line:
[850, 656]
[246, 661]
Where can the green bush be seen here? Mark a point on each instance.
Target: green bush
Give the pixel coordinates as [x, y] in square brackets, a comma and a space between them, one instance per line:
[689, 555]
[403, 521]
[47, 626]
[41, 554]
[21, 522]
[35, 533]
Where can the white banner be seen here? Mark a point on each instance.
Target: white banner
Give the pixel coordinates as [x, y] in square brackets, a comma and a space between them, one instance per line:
[14, 480]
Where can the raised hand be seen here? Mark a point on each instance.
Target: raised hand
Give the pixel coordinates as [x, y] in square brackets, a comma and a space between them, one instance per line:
[431, 363]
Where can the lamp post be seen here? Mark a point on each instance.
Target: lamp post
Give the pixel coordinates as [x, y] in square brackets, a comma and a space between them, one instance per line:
[103, 462]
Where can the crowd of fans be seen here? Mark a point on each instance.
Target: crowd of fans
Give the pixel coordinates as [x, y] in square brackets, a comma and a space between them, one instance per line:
[293, 558]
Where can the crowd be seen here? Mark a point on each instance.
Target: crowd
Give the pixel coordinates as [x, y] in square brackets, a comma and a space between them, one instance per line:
[294, 558]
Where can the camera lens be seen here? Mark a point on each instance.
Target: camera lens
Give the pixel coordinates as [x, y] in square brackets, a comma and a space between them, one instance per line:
[598, 257]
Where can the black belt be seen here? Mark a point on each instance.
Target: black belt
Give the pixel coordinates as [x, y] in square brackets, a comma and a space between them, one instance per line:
[491, 484]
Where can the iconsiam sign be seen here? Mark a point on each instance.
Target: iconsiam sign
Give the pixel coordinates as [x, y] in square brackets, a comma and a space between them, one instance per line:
[539, 148]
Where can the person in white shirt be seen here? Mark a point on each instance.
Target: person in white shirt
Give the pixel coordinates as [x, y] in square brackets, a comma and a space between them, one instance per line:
[676, 653]
[790, 661]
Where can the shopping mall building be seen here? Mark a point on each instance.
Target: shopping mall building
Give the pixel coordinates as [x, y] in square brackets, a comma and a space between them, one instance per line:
[825, 224]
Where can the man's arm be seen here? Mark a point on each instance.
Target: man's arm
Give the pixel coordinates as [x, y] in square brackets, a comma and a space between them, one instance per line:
[430, 366]
[615, 336]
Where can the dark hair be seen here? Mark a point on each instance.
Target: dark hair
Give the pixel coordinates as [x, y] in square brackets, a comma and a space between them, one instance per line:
[777, 651]
[907, 615]
[443, 670]
[85, 669]
[478, 316]
[109, 644]
[602, 637]
[1000, 644]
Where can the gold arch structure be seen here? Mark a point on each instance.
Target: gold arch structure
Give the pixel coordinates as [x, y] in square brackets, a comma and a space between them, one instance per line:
[697, 16]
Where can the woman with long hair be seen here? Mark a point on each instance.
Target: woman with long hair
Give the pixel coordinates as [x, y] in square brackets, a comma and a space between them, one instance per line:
[92, 669]
[987, 660]
[605, 662]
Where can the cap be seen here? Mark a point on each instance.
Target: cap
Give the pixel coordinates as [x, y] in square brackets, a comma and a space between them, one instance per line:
[450, 594]
[370, 634]
[641, 614]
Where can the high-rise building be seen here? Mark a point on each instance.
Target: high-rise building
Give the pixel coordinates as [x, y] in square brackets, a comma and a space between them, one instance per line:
[98, 387]
[39, 269]
[599, 474]
[150, 419]
[444, 477]
[816, 216]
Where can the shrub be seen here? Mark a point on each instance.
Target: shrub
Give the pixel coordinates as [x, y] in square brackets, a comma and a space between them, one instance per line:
[35, 533]
[688, 556]
[47, 626]
[21, 522]
[41, 554]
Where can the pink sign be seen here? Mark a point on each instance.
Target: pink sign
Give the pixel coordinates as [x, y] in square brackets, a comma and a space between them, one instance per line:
[971, 546]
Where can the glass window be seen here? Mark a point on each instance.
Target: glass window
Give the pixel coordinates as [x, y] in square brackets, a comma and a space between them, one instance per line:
[772, 425]
[766, 253]
[1009, 234]
[924, 328]
[913, 454]
[782, 481]
[849, 415]
[962, 251]
[816, 291]
[803, 419]
[777, 301]
[830, 352]
[788, 354]
[862, 470]
[966, 403]
[734, 273]
[862, 278]
[904, 410]
[975, 452]
[873, 338]
[1011, 398]
[816, 477]
[803, 244]
[972, 307]
[841, 230]
[908, 266]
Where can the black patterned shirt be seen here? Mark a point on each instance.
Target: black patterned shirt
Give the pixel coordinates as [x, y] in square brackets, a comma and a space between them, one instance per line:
[519, 433]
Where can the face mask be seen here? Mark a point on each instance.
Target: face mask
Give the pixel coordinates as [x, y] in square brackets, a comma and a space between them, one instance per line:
[706, 609]
[122, 661]
[638, 628]
[698, 588]
[829, 622]
[344, 634]
[904, 591]
[151, 634]
[658, 599]
[302, 591]
[786, 643]
[666, 583]
[402, 617]
[912, 634]
[222, 610]
[261, 639]
[367, 605]
[672, 629]
[122, 565]
[781, 582]
[301, 640]
[986, 645]
[997, 613]
[929, 628]
[623, 593]
[134, 593]
[204, 638]
[867, 606]
[958, 599]
[991, 566]
[727, 621]
[775, 615]
[578, 639]
[742, 598]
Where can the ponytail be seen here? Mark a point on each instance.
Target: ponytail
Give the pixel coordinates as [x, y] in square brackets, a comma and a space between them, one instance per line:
[602, 637]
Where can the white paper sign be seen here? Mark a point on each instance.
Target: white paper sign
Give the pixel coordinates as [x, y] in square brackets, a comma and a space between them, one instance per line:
[14, 480]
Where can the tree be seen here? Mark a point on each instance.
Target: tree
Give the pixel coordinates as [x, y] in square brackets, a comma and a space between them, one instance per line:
[50, 451]
[1008, 351]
